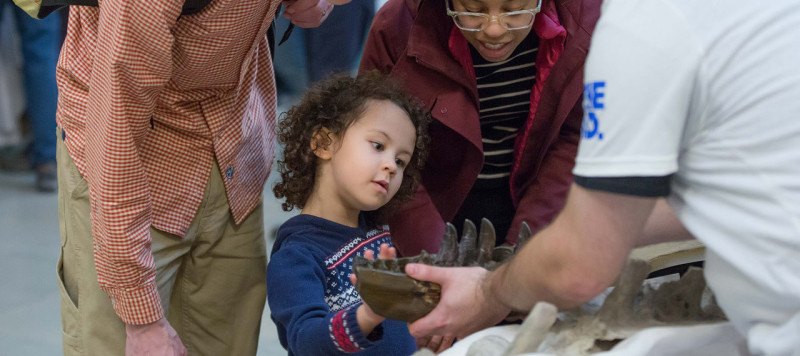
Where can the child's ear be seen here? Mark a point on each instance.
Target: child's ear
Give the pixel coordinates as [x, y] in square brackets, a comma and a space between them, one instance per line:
[322, 143]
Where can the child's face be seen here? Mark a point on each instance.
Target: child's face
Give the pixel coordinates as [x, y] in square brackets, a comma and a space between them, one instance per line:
[367, 164]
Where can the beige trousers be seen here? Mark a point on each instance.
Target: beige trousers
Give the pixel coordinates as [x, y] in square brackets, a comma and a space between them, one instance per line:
[212, 282]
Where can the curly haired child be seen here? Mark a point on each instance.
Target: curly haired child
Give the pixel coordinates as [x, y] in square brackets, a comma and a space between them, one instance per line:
[353, 151]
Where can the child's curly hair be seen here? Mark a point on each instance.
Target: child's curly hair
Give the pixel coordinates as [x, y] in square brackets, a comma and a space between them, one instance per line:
[336, 103]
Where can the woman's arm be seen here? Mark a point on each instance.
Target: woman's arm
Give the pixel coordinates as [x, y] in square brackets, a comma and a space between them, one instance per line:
[544, 198]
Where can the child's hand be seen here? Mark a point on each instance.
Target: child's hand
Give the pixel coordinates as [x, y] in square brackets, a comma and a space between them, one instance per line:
[385, 253]
[367, 319]
[369, 313]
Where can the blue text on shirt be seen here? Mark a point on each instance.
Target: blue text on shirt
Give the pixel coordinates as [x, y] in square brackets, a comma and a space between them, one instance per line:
[593, 103]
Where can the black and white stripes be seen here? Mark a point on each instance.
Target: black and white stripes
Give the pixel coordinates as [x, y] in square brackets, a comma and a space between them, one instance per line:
[504, 90]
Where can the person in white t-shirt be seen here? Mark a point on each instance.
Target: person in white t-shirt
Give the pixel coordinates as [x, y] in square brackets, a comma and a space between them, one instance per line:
[696, 101]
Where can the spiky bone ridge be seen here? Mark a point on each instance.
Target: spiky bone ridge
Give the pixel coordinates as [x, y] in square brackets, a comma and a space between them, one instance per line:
[390, 292]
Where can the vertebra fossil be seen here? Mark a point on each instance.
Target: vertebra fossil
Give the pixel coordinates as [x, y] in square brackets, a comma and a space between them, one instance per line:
[384, 286]
[633, 305]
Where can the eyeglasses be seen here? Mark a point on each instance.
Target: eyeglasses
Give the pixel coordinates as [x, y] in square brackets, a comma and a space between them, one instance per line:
[473, 21]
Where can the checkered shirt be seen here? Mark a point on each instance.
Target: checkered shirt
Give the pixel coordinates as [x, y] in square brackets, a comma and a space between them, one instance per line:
[148, 100]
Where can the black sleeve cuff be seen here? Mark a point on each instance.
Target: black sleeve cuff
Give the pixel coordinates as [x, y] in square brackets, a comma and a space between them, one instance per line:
[376, 334]
[650, 187]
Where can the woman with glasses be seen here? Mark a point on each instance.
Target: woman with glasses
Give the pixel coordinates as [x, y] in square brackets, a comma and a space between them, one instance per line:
[503, 81]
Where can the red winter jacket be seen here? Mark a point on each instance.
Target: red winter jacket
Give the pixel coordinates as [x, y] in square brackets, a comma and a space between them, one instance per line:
[417, 43]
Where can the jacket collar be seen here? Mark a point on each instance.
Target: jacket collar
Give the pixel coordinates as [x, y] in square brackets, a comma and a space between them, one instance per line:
[547, 24]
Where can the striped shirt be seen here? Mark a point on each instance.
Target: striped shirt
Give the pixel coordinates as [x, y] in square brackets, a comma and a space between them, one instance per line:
[504, 90]
[149, 100]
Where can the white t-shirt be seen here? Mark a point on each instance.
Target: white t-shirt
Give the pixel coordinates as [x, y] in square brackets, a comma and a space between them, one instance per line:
[700, 100]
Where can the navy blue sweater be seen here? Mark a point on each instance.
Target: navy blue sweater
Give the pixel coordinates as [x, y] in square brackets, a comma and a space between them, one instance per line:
[310, 295]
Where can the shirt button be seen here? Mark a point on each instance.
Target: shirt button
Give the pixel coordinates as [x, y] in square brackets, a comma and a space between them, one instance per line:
[443, 110]
[229, 172]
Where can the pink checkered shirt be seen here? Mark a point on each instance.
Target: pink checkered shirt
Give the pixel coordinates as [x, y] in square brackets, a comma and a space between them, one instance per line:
[148, 100]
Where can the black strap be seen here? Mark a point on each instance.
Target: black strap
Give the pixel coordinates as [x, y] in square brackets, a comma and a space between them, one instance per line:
[190, 7]
[273, 28]
[271, 34]
[286, 34]
[648, 187]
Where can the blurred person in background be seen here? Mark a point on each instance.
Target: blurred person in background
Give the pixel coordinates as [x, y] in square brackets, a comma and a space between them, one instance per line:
[336, 45]
[310, 54]
[40, 42]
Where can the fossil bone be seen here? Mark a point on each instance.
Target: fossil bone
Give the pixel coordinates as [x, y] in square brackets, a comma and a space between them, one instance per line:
[385, 287]
[630, 307]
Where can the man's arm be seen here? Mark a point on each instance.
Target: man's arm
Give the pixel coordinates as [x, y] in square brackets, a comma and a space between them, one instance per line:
[663, 226]
[578, 256]
[568, 263]
[131, 66]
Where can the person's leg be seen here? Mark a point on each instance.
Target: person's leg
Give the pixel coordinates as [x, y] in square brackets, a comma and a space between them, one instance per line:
[86, 312]
[12, 155]
[90, 325]
[40, 40]
[3, 5]
[220, 291]
[367, 14]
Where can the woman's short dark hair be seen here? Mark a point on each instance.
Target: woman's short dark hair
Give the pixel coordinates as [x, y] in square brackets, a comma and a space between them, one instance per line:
[336, 103]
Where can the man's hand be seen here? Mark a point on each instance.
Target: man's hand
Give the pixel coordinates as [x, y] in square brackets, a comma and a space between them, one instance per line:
[466, 305]
[309, 13]
[157, 338]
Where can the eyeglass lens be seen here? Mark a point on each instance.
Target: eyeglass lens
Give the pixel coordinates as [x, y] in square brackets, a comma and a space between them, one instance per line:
[510, 22]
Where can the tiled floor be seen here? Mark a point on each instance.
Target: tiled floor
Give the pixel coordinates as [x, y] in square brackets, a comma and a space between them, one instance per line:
[30, 321]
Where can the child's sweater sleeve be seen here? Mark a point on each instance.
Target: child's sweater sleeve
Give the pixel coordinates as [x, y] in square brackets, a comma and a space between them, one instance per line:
[296, 296]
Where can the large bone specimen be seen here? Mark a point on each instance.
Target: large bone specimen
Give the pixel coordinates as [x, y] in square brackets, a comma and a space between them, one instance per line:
[632, 306]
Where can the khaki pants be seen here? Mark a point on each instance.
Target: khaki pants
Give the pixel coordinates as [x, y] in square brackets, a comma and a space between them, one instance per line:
[212, 282]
